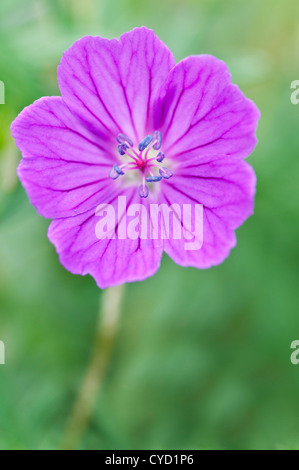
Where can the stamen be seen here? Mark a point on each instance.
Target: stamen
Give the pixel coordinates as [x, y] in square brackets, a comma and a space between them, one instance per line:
[143, 191]
[160, 157]
[145, 143]
[165, 173]
[123, 139]
[130, 155]
[115, 172]
[122, 148]
[153, 179]
[157, 138]
[145, 160]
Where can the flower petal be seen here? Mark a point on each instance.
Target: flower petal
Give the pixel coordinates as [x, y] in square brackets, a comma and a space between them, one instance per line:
[65, 167]
[115, 83]
[200, 112]
[226, 188]
[109, 261]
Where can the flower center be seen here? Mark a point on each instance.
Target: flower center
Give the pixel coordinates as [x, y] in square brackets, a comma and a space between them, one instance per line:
[144, 159]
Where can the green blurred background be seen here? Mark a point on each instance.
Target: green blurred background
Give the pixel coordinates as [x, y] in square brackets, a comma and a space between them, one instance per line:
[202, 358]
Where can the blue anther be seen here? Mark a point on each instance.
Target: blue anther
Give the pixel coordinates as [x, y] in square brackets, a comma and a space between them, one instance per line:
[153, 179]
[115, 172]
[145, 143]
[118, 170]
[143, 191]
[123, 139]
[165, 173]
[157, 138]
[122, 148]
[160, 157]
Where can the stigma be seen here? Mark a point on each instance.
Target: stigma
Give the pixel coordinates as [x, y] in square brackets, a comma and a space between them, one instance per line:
[145, 158]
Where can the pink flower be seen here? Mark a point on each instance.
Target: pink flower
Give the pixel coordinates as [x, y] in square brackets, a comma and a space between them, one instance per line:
[130, 123]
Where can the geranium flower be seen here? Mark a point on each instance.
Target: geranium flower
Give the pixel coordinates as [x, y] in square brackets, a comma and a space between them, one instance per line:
[132, 123]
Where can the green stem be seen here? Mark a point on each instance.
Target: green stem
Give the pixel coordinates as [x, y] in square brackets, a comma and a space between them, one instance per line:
[93, 379]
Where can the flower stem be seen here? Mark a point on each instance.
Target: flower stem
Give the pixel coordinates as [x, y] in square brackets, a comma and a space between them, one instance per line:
[93, 379]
